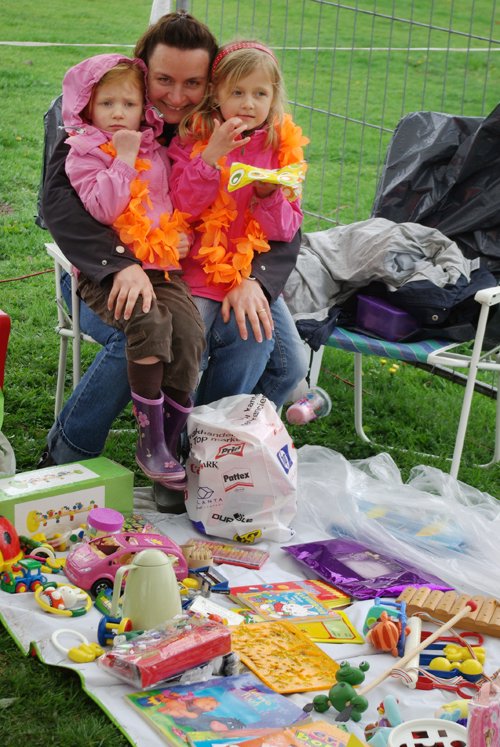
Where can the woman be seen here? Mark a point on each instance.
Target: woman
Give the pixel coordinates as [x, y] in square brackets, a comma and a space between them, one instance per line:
[253, 345]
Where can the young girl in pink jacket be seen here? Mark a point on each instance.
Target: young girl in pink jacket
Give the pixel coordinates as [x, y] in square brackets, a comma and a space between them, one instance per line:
[241, 119]
[121, 174]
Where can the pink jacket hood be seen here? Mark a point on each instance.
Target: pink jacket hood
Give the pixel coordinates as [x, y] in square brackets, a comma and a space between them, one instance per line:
[77, 88]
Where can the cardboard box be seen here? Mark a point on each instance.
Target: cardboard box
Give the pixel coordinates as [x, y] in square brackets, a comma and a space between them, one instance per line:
[55, 499]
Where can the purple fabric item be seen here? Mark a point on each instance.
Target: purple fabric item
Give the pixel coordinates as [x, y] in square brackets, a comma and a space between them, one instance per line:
[359, 571]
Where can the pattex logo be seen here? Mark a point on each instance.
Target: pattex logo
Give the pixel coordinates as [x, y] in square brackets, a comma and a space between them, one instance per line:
[235, 449]
[240, 479]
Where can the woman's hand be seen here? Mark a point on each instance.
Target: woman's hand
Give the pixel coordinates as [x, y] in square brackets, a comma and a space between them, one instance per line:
[249, 301]
[128, 285]
[225, 138]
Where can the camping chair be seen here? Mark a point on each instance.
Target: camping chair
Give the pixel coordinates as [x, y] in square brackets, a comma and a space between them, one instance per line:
[439, 356]
[68, 324]
[410, 189]
[422, 190]
[68, 319]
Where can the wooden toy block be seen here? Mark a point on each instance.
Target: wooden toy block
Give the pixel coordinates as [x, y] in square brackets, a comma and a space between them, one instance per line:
[444, 605]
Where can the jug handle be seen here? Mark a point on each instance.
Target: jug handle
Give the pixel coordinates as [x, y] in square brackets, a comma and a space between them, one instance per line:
[117, 587]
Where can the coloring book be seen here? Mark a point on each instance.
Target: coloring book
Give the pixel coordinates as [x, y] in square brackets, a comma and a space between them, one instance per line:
[221, 704]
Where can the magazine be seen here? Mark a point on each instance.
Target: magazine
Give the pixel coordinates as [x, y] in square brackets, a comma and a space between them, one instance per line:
[221, 705]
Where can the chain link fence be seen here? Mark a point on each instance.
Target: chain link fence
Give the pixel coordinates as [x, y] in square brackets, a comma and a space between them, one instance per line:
[354, 69]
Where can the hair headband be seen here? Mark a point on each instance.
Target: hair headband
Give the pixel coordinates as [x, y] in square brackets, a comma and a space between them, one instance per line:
[240, 45]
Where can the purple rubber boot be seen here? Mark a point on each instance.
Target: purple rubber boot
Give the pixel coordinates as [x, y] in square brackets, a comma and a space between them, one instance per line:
[175, 418]
[152, 454]
[171, 499]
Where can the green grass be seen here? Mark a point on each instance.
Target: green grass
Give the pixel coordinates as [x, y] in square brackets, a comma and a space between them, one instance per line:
[331, 90]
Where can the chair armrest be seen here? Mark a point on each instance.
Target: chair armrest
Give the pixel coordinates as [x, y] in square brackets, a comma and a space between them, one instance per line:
[488, 296]
[53, 251]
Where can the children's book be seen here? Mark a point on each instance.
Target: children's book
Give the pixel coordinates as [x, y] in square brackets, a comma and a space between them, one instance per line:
[226, 739]
[289, 600]
[305, 734]
[222, 705]
[336, 628]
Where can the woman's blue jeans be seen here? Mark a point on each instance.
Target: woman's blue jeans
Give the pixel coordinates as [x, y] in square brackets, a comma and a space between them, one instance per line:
[233, 366]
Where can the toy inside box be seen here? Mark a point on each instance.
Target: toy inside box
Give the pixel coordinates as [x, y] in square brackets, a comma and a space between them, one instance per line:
[384, 320]
[59, 498]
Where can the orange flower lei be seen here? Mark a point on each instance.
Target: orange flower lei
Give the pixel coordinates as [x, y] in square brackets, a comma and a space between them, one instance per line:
[221, 263]
[154, 245]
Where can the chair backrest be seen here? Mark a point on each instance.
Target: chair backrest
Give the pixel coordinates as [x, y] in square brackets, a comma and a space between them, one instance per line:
[52, 126]
[443, 171]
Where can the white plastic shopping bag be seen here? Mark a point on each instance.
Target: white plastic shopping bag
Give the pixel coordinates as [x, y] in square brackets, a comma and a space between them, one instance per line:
[241, 471]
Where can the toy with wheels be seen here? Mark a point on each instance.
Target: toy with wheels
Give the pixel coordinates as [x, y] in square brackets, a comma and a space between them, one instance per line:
[110, 627]
[22, 576]
[63, 599]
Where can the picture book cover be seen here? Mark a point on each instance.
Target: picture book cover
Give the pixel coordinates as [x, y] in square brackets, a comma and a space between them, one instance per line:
[227, 739]
[305, 734]
[221, 705]
[287, 604]
[290, 599]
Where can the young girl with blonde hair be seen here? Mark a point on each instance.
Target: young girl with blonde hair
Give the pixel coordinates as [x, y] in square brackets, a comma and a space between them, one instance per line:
[241, 119]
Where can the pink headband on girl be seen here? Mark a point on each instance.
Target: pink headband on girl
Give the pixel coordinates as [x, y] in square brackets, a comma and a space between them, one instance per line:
[240, 45]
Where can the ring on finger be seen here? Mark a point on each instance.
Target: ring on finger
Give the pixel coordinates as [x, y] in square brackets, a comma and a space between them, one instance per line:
[259, 311]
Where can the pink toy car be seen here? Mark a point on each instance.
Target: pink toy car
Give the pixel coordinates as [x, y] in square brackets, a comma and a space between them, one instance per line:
[93, 565]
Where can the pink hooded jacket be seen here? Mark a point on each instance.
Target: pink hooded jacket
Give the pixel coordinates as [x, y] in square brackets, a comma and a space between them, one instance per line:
[195, 186]
[101, 181]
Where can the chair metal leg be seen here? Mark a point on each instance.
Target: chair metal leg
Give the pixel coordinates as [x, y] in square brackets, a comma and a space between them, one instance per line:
[61, 375]
[75, 312]
[469, 391]
[358, 398]
[496, 451]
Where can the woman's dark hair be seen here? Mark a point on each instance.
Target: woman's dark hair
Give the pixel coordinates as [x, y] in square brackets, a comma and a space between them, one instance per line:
[180, 30]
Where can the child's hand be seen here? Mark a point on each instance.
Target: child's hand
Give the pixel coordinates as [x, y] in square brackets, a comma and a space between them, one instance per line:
[184, 245]
[264, 189]
[128, 285]
[225, 138]
[127, 144]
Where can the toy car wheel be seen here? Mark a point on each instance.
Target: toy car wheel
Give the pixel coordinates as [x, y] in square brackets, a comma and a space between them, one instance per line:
[21, 588]
[34, 585]
[100, 585]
